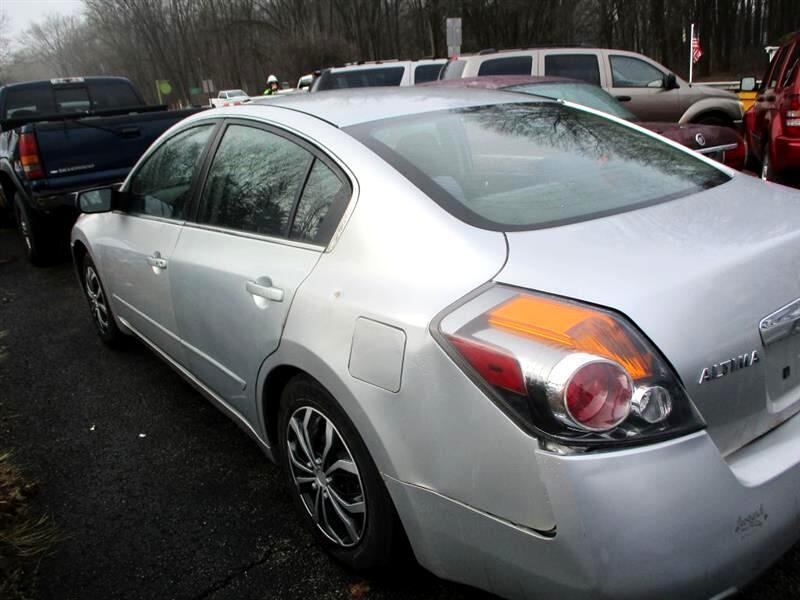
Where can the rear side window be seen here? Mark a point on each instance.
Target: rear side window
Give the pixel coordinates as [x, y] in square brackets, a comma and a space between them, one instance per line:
[254, 181]
[629, 72]
[161, 187]
[425, 73]
[792, 67]
[112, 94]
[379, 77]
[29, 102]
[314, 220]
[511, 65]
[771, 80]
[574, 66]
[510, 167]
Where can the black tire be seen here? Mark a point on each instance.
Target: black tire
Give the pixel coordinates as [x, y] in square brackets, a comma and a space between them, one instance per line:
[32, 230]
[99, 305]
[379, 529]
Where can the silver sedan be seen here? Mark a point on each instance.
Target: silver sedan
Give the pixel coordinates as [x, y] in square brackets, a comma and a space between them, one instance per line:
[551, 349]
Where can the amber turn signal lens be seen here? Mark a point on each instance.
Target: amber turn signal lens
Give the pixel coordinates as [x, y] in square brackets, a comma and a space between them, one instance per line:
[577, 328]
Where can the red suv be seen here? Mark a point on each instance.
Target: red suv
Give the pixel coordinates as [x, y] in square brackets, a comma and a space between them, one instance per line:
[773, 124]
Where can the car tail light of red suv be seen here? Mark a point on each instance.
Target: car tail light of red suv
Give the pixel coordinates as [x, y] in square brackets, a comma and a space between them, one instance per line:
[567, 372]
[792, 113]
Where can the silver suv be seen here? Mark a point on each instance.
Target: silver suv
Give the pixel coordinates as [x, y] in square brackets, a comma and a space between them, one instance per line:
[650, 90]
[386, 73]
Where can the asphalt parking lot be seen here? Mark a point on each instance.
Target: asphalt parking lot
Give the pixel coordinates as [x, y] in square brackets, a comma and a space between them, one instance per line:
[157, 493]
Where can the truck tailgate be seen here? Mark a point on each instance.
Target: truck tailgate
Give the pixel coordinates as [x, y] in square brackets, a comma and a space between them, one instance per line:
[100, 149]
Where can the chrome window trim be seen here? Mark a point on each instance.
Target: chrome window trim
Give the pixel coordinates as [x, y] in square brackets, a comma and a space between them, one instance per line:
[712, 149]
[255, 236]
[137, 215]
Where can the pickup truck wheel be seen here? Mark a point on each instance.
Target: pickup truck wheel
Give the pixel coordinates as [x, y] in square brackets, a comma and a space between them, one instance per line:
[30, 229]
[99, 306]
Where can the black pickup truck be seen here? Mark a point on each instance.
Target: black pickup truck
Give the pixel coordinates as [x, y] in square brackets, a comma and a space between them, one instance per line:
[59, 136]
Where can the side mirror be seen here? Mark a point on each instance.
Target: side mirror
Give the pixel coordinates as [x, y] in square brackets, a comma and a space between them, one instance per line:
[670, 82]
[95, 201]
[748, 84]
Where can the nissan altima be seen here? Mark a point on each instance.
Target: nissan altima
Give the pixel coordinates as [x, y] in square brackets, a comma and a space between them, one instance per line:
[553, 351]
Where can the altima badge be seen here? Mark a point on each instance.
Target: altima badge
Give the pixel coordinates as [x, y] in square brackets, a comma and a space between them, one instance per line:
[729, 366]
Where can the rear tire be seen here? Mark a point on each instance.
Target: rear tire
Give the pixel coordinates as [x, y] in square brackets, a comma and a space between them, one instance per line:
[334, 484]
[99, 305]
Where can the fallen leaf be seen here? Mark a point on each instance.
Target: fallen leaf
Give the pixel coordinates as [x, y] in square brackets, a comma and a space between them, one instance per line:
[359, 590]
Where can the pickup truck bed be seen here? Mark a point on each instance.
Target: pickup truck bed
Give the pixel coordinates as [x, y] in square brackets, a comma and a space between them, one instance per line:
[70, 152]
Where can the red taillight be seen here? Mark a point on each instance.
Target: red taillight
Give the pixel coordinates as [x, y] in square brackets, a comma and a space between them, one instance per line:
[598, 395]
[736, 158]
[497, 368]
[29, 156]
[793, 111]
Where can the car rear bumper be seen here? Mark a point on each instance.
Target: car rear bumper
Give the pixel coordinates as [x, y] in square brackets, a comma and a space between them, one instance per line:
[671, 520]
[787, 153]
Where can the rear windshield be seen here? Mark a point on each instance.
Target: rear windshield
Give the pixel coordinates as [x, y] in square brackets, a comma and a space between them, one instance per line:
[339, 80]
[579, 93]
[524, 166]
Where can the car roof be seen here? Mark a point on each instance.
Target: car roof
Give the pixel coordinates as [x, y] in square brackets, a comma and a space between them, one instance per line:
[382, 64]
[498, 82]
[343, 108]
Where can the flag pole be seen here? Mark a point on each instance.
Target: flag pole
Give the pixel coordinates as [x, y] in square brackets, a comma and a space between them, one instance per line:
[691, 53]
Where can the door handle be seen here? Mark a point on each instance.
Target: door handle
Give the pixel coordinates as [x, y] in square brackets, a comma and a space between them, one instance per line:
[624, 98]
[266, 291]
[156, 261]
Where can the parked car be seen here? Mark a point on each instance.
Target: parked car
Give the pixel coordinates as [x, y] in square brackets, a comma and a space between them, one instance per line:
[547, 347]
[230, 98]
[773, 124]
[720, 143]
[650, 90]
[378, 74]
[62, 135]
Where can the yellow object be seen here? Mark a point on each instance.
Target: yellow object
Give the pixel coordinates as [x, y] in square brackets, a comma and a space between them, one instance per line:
[579, 328]
[747, 99]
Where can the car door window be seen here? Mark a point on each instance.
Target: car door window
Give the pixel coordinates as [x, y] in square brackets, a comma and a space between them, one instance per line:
[161, 187]
[575, 66]
[512, 65]
[254, 181]
[771, 80]
[629, 72]
[792, 67]
[425, 73]
[316, 217]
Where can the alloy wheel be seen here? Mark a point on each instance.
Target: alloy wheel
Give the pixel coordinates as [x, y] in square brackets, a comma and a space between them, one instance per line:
[25, 230]
[766, 174]
[326, 476]
[97, 299]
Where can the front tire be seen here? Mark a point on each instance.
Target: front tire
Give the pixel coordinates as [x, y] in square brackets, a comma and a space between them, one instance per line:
[334, 482]
[99, 305]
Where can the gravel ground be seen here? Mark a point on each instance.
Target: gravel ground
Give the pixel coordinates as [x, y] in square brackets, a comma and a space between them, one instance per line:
[159, 494]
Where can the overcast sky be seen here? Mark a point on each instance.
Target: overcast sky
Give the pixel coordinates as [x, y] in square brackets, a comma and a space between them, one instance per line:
[22, 13]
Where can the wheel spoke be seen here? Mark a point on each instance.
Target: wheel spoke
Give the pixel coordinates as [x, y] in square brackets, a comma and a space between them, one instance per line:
[351, 507]
[331, 531]
[343, 465]
[344, 518]
[301, 440]
[307, 436]
[304, 480]
[317, 502]
[297, 464]
[328, 440]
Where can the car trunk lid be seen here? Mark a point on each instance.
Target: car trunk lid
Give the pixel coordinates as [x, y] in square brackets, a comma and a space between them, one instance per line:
[697, 275]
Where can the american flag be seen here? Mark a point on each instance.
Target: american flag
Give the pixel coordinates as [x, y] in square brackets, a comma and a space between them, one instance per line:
[697, 51]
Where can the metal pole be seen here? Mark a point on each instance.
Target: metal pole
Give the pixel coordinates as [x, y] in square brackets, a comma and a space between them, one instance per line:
[691, 54]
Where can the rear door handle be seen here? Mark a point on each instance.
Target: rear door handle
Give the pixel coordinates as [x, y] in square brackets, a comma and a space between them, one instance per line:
[266, 291]
[624, 98]
[156, 261]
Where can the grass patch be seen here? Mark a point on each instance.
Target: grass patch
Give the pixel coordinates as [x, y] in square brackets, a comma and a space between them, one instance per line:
[24, 537]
